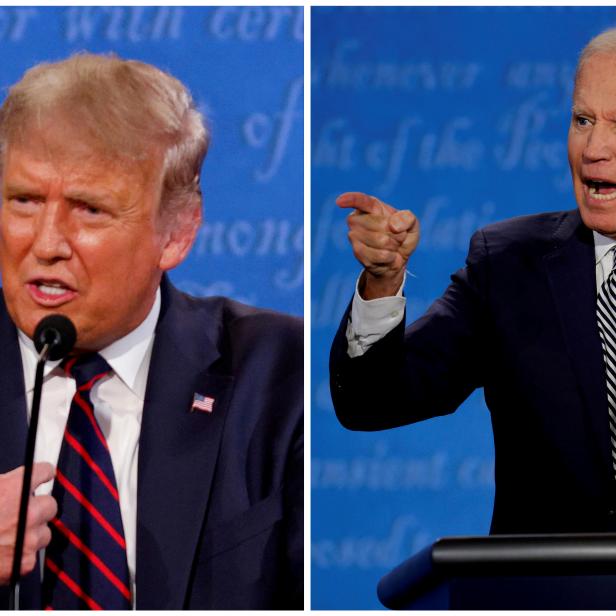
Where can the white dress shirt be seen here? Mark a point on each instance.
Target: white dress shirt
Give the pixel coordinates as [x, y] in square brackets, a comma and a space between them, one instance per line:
[604, 257]
[373, 319]
[118, 406]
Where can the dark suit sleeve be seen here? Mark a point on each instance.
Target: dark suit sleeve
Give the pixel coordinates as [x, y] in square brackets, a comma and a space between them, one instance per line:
[425, 371]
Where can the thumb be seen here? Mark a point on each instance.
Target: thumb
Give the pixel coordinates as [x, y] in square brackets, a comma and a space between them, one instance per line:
[401, 221]
[42, 472]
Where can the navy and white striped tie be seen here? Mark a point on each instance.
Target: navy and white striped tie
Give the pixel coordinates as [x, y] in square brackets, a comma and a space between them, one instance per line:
[85, 563]
[606, 318]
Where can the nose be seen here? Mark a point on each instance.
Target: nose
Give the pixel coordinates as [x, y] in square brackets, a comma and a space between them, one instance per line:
[600, 144]
[51, 241]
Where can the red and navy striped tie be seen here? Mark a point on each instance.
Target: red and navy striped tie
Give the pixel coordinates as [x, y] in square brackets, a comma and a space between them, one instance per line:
[85, 563]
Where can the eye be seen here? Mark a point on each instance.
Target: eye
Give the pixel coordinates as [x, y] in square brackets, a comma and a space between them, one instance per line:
[581, 121]
[88, 209]
[23, 204]
[90, 212]
[22, 199]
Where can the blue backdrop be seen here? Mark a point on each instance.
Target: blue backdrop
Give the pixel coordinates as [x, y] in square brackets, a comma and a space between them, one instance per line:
[460, 114]
[244, 67]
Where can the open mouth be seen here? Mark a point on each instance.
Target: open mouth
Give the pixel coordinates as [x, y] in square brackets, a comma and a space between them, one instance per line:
[51, 289]
[50, 292]
[601, 190]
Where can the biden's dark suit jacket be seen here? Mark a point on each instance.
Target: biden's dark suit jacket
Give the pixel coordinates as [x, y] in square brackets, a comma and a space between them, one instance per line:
[220, 495]
[519, 320]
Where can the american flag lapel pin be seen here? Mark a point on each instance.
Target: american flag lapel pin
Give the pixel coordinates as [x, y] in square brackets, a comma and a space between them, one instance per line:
[202, 403]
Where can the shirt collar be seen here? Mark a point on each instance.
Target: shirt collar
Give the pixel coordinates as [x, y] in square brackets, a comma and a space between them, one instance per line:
[603, 245]
[125, 356]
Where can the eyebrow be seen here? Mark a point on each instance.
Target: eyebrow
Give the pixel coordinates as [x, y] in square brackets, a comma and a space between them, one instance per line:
[20, 189]
[86, 197]
[581, 110]
[77, 195]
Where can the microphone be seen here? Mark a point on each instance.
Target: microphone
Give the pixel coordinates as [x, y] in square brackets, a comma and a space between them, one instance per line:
[58, 333]
[54, 337]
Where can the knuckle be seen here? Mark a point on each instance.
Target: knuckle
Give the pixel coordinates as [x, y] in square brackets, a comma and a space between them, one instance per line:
[356, 245]
[27, 562]
[382, 224]
[45, 537]
[409, 241]
[383, 256]
[33, 513]
[30, 542]
[382, 241]
[51, 507]
[43, 508]
[388, 208]
[358, 241]
[361, 257]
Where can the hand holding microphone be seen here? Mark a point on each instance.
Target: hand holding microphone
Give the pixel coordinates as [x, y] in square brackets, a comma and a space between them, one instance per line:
[41, 509]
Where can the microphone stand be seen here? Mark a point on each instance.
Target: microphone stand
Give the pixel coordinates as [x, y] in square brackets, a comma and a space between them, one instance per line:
[25, 489]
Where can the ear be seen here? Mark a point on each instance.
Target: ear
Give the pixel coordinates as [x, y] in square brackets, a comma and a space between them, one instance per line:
[179, 238]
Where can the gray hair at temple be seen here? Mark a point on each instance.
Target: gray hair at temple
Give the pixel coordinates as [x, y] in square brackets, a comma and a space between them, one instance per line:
[604, 43]
[130, 109]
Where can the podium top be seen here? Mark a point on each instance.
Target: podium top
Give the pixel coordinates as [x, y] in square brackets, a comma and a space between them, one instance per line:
[498, 555]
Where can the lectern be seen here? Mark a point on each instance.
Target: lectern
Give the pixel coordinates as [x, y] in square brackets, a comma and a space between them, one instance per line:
[569, 571]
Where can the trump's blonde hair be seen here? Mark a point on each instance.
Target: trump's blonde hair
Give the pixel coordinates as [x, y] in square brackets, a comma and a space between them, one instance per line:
[128, 108]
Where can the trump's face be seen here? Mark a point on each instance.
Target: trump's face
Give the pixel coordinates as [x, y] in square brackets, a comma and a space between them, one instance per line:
[80, 236]
[592, 143]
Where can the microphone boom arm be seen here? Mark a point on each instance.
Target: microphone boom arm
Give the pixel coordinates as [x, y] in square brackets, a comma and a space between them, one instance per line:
[54, 337]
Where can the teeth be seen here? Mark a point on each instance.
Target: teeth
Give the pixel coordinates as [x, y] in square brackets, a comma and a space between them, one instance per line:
[602, 197]
[52, 290]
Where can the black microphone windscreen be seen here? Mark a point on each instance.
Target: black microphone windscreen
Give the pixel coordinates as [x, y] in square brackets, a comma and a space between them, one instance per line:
[58, 332]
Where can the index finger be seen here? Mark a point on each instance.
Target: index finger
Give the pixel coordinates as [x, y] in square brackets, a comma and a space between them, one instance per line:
[360, 201]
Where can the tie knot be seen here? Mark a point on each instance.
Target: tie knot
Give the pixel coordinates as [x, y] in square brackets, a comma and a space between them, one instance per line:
[85, 369]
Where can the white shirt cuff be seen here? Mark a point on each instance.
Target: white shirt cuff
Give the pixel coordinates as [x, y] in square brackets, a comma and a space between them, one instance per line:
[371, 320]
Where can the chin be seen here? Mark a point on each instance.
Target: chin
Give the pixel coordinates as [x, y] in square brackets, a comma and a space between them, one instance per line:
[26, 325]
[27, 316]
[602, 222]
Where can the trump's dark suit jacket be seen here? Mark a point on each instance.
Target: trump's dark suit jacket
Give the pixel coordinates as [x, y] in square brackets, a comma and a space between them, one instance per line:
[519, 320]
[219, 498]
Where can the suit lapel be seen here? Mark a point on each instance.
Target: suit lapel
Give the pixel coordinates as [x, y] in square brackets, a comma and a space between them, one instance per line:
[177, 452]
[13, 420]
[571, 271]
[14, 429]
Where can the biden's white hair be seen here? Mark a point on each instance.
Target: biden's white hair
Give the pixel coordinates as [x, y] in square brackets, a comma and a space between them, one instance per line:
[604, 43]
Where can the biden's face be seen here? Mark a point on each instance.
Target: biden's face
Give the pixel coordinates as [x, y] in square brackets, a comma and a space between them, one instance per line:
[80, 236]
[592, 143]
